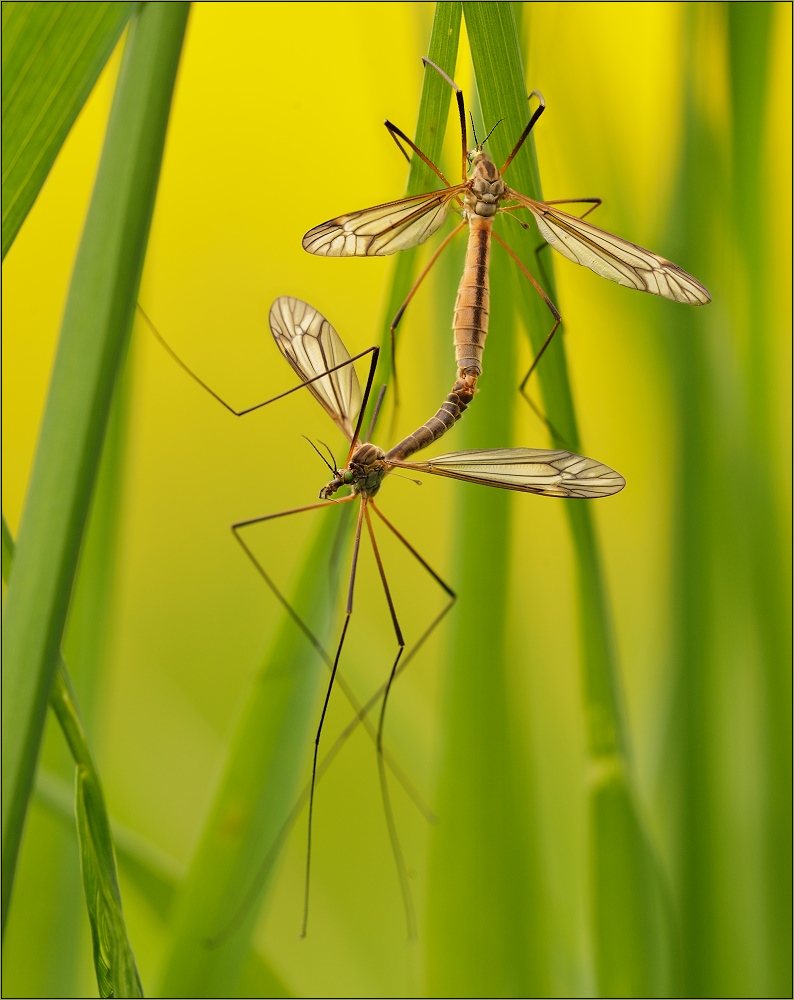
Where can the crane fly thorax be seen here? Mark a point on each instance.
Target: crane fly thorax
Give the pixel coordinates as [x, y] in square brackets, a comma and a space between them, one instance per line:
[365, 473]
[485, 188]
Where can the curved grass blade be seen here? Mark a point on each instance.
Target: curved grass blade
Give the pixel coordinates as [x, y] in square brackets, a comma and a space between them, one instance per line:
[114, 961]
[52, 56]
[154, 873]
[94, 334]
[502, 90]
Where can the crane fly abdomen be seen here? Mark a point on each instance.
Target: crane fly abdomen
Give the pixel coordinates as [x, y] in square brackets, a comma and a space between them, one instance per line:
[473, 303]
[444, 419]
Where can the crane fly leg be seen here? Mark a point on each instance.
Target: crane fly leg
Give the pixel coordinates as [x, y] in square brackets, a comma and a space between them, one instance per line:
[557, 320]
[394, 132]
[394, 838]
[257, 406]
[361, 717]
[329, 689]
[414, 289]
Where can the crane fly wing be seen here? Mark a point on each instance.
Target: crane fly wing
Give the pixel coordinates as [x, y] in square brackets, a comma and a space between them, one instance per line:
[528, 470]
[383, 229]
[611, 257]
[312, 346]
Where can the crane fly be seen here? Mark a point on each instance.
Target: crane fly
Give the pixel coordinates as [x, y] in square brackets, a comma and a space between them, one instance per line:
[316, 353]
[481, 195]
[308, 341]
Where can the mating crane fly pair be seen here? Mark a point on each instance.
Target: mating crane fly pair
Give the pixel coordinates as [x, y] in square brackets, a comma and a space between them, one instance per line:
[324, 366]
[408, 222]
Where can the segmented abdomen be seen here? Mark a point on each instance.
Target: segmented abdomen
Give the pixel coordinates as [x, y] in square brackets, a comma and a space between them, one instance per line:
[473, 302]
[451, 410]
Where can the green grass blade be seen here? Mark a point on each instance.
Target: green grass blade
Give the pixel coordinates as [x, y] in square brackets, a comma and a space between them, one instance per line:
[117, 975]
[429, 136]
[502, 89]
[751, 32]
[114, 960]
[730, 733]
[153, 873]
[264, 775]
[485, 929]
[52, 56]
[86, 646]
[94, 334]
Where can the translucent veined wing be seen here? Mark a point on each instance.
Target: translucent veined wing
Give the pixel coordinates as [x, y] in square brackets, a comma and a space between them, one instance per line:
[383, 229]
[312, 346]
[528, 470]
[611, 257]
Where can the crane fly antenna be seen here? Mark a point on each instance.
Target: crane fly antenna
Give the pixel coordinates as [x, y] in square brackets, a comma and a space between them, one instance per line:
[334, 467]
[473, 129]
[492, 131]
[325, 460]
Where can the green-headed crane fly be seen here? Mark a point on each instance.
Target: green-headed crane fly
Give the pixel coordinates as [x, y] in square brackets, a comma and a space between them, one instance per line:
[316, 353]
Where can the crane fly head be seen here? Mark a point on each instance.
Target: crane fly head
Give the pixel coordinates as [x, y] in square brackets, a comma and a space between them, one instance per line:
[365, 473]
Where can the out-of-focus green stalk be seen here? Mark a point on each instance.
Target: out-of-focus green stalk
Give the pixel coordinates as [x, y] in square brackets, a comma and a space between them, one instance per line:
[485, 917]
[632, 938]
[85, 648]
[114, 960]
[219, 902]
[95, 330]
[732, 643]
[751, 30]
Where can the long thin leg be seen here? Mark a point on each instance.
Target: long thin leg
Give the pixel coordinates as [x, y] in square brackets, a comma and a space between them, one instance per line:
[461, 112]
[348, 613]
[361, 710]
[394, 131]
[361, 716]
[552, 308]
[414, 289]
[537, 113]
[592, 202]
[557, 320]
[257, 406]
[396, 847]
[364, 400]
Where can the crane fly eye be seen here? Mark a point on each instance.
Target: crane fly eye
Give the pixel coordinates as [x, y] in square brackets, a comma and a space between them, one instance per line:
[347, 478]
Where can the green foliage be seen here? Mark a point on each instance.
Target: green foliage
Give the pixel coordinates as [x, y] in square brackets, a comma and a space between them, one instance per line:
[723, 379]
[511, 901]
[52, 56]
[93, 339]
[114, 961]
